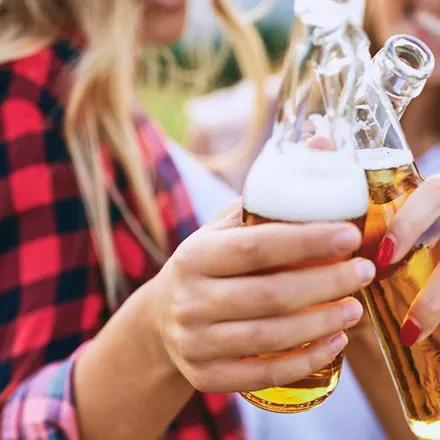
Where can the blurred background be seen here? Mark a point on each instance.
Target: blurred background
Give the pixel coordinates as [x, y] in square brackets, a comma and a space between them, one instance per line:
[168, 102]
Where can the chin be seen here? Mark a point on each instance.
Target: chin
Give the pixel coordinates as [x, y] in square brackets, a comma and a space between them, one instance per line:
[163, 28]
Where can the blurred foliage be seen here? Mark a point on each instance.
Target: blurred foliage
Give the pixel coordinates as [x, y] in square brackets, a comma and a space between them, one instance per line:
[275, 40]
[166, 105]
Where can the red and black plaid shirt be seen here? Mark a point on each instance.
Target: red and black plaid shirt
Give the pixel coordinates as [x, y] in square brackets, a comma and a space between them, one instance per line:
[51, 291]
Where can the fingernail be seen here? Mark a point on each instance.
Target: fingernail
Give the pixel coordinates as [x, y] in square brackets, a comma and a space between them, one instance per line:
[352, 311]
[337, 343]
[410, 332]
[366, 271]
[386, 252]
[346, 241]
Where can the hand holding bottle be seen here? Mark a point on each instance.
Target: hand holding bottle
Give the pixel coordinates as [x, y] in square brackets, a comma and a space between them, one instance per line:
[224, 297]
[417, 218]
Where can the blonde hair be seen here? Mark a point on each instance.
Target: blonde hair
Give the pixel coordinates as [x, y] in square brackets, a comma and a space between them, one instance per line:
[99, 112]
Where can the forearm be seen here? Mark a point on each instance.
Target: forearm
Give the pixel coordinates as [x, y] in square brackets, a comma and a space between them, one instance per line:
[125, 385]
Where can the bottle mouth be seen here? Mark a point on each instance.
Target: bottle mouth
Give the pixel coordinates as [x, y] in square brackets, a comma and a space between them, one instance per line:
[410, 56]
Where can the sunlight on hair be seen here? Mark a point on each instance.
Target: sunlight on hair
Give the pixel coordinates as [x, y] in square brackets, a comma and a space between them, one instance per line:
[99, 113]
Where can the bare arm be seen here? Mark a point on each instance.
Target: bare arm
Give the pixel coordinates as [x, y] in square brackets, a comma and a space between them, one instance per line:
[126, 385]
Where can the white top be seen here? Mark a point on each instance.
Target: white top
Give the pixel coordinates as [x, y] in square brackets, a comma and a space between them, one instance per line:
[346, 414]
[208, 194]
[429, 163]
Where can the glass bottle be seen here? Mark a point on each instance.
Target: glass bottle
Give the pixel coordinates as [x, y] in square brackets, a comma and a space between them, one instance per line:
[403, 66]
[392, 176]
[307, 171]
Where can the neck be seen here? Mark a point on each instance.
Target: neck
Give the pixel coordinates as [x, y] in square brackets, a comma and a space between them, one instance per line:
[421, 122]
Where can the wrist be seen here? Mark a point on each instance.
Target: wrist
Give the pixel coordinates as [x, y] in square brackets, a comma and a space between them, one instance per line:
[144, 316]
[125, 375]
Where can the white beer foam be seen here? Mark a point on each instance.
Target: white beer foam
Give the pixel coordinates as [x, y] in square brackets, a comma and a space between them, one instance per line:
[297, 184]
[325, 13]
[383, 158]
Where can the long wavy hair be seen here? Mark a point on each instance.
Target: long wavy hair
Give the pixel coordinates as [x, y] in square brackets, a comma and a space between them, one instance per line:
[99, 112]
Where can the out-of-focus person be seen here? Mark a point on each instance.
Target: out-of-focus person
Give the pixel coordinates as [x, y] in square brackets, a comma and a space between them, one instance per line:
[420, 18]
[219, 121]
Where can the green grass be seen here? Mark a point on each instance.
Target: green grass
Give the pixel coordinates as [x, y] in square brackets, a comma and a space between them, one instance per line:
[167, 107]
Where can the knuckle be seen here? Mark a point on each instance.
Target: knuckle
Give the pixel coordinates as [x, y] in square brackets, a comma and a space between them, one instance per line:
[304, 243]
[180, 259]
[270, 375]
[309, 363]
[183, 341]
[327, 321]
[254, 335]
[182, 313]
[270, 297]
[182, 308]
[248, 247]
[404, 226]
[263, 340]
[426, 310]
[178, 265]
[316, 358]
[199, 379]
[344, 277]
[334, 319]
[271, 341]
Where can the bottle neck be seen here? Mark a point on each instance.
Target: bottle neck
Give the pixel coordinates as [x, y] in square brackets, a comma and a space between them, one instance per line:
[404, 66]
[319, 85]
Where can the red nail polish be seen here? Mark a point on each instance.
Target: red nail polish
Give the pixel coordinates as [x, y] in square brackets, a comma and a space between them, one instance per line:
[410, 332]
[386, 252]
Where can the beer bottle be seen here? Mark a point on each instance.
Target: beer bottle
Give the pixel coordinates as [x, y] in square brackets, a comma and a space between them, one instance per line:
[405, 64]
[307, 171]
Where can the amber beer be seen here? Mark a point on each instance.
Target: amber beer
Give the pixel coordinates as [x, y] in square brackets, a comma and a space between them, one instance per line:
[298, 187]
[392, 176]
[309, 392]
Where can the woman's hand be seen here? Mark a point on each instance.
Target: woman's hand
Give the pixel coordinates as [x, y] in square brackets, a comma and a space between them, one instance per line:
[418, 214]
[223, 298]
[201, 320]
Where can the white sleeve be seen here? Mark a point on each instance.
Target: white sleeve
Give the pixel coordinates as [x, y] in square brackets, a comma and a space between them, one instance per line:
[208, 194]
[429, 163]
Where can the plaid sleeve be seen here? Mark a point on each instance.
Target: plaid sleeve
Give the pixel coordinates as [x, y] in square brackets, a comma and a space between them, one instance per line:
[51, 290]
[42, 408]
[51, 299]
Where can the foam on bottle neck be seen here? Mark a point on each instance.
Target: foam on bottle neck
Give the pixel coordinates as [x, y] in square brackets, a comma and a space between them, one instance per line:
[296, 184]
[372, 159]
